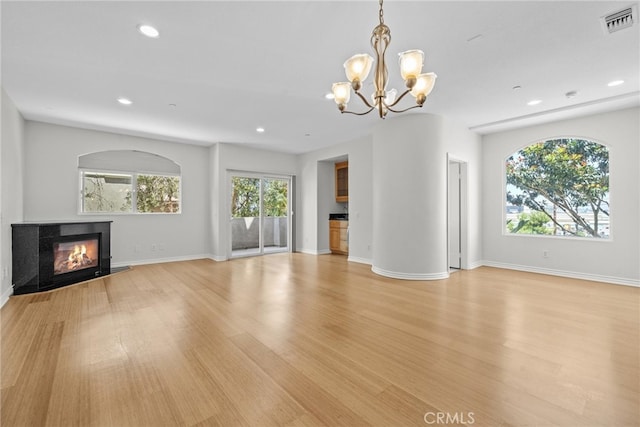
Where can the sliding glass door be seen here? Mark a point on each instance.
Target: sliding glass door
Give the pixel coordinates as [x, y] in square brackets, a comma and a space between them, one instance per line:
[275, 214]
[260, 214]
[245, 215]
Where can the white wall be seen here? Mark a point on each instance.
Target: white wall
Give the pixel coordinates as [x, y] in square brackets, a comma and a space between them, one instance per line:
[360, 200]
[229, 157]
[614, 260]
[214, 203]
[11, 187]
[52, 190]
[306, 217]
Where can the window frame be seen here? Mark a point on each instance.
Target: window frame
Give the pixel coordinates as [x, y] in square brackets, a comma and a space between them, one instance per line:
[134, 192]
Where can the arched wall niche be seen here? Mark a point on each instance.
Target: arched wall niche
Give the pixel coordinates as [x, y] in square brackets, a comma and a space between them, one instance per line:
[129, 161]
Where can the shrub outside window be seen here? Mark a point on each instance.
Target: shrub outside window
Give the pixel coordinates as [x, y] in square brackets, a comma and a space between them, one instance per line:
[559, 187]
[117, 192]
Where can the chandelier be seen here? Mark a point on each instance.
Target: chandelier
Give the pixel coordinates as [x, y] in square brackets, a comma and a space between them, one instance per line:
[358, 67]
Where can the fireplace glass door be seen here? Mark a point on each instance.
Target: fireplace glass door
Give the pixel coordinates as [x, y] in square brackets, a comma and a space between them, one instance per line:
[80, 253]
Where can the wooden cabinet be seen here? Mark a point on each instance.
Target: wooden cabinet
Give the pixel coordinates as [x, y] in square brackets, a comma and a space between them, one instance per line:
[342, 182]
[339, 237]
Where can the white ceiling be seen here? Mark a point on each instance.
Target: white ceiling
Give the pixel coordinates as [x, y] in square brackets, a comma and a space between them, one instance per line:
[232, 66]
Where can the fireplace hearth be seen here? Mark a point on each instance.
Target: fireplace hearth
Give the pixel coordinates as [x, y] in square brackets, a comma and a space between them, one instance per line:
[50, 255]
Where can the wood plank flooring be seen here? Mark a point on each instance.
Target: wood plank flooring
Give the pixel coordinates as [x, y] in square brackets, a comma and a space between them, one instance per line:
[301, 340]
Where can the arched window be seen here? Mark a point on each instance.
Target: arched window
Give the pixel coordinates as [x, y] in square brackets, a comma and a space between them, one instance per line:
[558, 187]
[128, 181]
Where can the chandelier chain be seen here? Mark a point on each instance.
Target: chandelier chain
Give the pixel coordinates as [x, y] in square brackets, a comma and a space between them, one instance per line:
[381, 13]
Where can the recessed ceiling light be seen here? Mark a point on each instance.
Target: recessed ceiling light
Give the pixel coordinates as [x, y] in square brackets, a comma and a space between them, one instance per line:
[149, 31]
[124, 101]
[260, 129]
[615, 83]
[328, 96]
[518, 87]
[534, 102]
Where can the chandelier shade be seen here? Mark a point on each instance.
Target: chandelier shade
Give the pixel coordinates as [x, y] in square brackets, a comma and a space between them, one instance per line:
[424, 85]
[341, 92]
[411, 64]
[358, 67]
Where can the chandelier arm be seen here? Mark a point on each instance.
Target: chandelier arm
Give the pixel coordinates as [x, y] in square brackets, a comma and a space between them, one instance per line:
[358, 114]
[406, 109]
[398, 99]
[365, 101]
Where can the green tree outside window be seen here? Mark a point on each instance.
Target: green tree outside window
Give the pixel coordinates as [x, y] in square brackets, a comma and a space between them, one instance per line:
[245, 197]
[563, 182]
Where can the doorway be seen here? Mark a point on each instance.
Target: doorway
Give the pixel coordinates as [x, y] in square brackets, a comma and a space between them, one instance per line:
[456, 226]
[260, 214]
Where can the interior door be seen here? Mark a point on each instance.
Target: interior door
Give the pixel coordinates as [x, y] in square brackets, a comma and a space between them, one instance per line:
[454, 216]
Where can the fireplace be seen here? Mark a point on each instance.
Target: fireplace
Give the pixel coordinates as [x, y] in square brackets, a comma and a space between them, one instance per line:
[76, 254]
[49, 255]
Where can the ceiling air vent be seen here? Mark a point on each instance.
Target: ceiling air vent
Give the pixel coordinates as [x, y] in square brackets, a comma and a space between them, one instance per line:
[620, 20]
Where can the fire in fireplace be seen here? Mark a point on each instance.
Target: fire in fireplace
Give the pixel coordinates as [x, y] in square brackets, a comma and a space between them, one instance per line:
[75, 255]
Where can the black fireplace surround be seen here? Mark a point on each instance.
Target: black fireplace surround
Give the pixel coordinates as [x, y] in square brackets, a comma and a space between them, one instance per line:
[33, 245]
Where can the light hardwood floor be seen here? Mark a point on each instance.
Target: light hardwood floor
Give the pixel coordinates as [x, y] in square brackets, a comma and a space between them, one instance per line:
[293, 339]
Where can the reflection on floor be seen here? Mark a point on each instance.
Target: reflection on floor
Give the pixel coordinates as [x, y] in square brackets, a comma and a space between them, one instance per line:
[237, 253]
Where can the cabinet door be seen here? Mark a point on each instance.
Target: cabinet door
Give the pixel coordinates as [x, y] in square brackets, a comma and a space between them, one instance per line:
[334, 239]
[342, 182]
[344, 240]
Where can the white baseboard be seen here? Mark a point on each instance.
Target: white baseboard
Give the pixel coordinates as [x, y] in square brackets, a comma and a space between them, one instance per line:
[474, 265]
[562, 273]
[217, 258]
[160, 260]
[5, 296]
[410, 276]
[359, 260]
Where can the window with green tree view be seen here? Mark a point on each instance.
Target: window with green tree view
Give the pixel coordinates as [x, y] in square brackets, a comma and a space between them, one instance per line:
[129, 193]
[559, 187]
[129, 181]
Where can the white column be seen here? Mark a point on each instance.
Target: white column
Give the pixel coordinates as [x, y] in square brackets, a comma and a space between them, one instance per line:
[410, 198]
